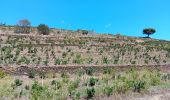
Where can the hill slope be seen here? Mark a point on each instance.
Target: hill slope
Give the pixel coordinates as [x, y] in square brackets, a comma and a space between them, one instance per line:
[72, 48]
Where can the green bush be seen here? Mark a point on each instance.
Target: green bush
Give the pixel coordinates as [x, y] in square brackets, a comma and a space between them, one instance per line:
[105, 60]
[65, 61]
[58, 61]
[46, 62]
[165, 77]
[64, 75]
[121, 87]
[107, 70]
[108, 90]
[138, 86]
[90, 93]
[78, 59]
[72, 86]
[23, 60]
[36, 91]
[90, 71]
[18, 82]
[77, 96]
[155, 81]
[92, 81]
[56, 84]
[155, 78]
[31, 73]
[43, 29]
[2, 74]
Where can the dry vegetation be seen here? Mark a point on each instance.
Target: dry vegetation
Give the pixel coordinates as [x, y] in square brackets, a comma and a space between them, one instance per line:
[73, 48]
[43, 67]
[110, 83]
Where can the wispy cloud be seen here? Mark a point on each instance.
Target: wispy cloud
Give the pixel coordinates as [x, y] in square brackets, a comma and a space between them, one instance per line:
[108, 25]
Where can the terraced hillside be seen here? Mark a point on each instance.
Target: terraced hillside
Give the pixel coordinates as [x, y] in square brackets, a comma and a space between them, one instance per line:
[72, 48]
[70, 65]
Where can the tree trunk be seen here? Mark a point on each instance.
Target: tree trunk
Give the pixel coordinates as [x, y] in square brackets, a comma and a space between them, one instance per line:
[148, 36]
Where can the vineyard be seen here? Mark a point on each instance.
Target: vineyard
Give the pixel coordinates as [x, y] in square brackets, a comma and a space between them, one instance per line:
[68, 49]
[69, 65]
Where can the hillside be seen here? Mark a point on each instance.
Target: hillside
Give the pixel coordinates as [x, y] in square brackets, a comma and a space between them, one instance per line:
[64, 47]
[70, 65]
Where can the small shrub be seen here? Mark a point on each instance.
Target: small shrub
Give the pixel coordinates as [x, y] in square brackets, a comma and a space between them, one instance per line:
[18, 82]
[72, 86]
[42, 75]
[64, 54]
[90, 60]
[2, 74]
[27, 87]
[59, 85]
[165, 77]
[36, 90]
[121, 85]
[92, 81]
[154, 81]
[20, 93]
[79, 72]
[65, 80]
[138, 86]
[54, 83]
[90, 71]
[77, 96]
[58, 61]
[108, 90]
[64, 75]
[133, 62]
[116, 61]
[155, 78]
[107, 70]
[31, 74]
[101, 51]
[65, 61]
[105, 60]
[78, 59]
[146, 61]
[46, 62]
[90, 93]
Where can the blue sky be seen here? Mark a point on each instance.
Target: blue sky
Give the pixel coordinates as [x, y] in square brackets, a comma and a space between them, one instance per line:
[127, 17]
